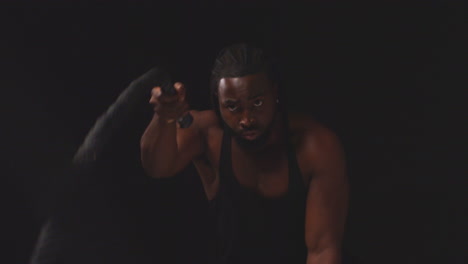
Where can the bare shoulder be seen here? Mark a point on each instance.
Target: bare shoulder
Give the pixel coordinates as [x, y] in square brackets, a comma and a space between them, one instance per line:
[211, 131]
[205, 119]
[208, 124]
[311, 133]
[316, 144]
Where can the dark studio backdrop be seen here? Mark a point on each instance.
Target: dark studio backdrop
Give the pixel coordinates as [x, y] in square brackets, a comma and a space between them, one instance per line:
[386, 79]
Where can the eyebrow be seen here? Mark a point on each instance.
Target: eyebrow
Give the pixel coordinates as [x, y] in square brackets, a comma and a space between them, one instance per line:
[233, 101]
[257, 95]
[229, 100]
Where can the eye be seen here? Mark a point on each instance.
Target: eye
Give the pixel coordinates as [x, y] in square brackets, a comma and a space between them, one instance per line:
[258, 103]
[232, 108]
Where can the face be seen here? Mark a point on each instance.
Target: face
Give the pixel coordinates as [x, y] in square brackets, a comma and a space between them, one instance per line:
[248, 106]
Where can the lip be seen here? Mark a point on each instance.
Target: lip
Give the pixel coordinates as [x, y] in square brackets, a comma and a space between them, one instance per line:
[250, 135]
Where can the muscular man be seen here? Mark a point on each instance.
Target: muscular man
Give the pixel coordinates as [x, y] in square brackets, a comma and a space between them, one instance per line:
[276, 180]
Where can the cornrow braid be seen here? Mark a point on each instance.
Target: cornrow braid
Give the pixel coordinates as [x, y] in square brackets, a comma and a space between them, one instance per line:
[238, 60]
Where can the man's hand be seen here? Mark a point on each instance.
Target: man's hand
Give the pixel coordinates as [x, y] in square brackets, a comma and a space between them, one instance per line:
[166, 148]
[169, 107]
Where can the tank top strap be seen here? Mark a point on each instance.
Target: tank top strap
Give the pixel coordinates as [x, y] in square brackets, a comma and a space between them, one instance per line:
[226, 191]
[225, 161]
[296, 182]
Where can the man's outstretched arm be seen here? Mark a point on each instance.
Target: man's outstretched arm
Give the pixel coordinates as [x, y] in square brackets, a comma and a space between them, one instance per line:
[166, 148]
[327, 199]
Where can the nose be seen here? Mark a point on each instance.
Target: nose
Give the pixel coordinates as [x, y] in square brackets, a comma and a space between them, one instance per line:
[247, 120]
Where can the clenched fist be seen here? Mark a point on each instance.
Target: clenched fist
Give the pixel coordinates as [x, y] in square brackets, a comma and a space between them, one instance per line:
[169, 107]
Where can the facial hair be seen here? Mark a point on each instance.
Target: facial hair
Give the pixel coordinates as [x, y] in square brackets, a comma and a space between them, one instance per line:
[250, 144]
[245, 143]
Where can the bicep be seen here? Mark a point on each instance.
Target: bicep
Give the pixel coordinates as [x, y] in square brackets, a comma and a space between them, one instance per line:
[327, 198]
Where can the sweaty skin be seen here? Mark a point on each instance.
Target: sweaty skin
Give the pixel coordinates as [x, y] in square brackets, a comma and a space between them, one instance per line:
[249, 111]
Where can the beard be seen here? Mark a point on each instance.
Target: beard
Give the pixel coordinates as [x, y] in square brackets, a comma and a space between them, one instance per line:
[253, 144]
[246, 143]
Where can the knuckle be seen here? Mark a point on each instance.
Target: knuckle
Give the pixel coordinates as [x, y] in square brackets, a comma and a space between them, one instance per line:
[156, 91]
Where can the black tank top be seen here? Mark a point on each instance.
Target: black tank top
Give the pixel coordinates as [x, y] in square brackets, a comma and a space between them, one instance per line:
[255, 229]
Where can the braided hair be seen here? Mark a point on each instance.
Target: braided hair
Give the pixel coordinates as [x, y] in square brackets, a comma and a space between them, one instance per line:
[238, 60]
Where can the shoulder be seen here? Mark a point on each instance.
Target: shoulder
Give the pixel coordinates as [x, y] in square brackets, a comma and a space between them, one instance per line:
[206, 121]
[317, 145]
[205, 118]
[311, 134]
[210, 129]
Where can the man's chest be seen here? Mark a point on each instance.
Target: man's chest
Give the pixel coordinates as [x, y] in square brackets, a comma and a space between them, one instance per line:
[267, 173]
[269, 176]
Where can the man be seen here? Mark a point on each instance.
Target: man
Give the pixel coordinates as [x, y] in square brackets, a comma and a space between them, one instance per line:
[276, 181]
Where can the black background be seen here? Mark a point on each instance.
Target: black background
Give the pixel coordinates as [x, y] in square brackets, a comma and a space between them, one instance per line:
[387, 79]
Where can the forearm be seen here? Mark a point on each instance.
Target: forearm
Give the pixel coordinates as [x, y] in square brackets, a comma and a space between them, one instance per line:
[159, 148]
[326, 256]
